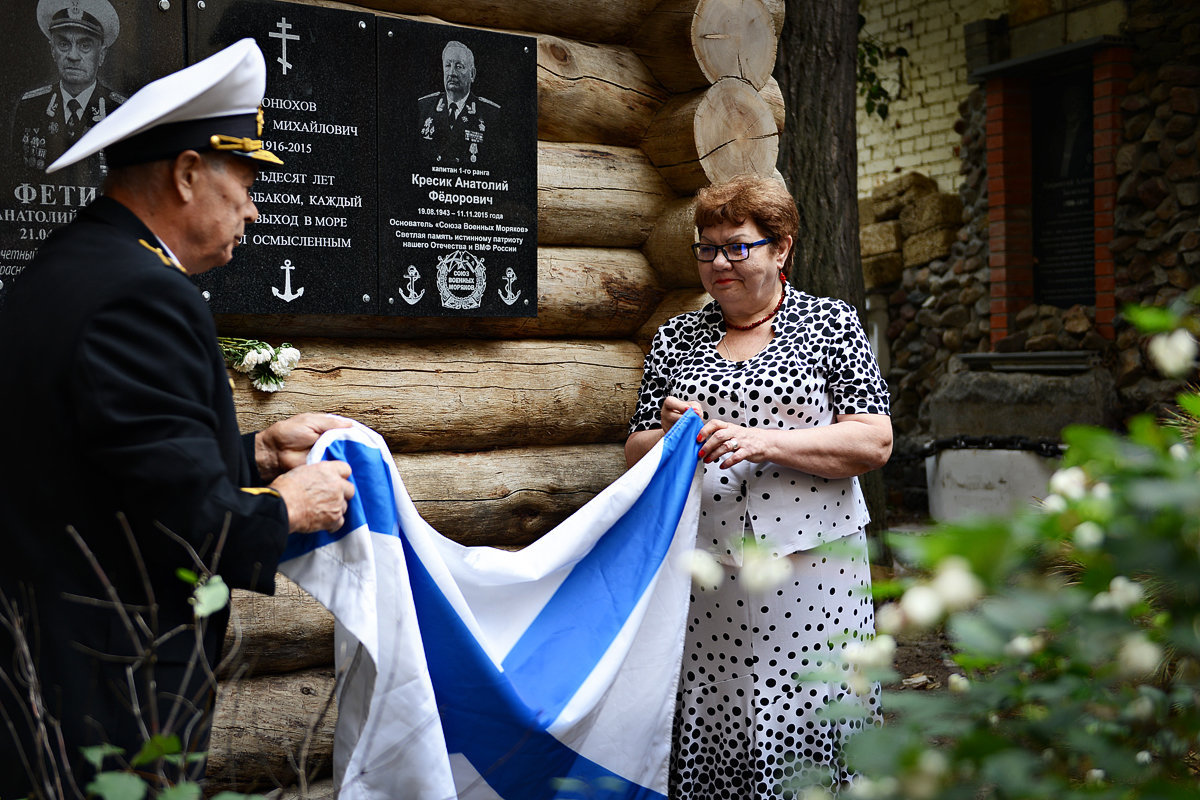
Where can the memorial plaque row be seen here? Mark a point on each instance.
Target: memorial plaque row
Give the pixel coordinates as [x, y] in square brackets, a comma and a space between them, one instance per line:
[410, 153]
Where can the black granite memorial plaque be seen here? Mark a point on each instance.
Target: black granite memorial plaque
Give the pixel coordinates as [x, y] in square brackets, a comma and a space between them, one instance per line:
[457, 171]
[313, 248]
[67, 64]
[1064, 240]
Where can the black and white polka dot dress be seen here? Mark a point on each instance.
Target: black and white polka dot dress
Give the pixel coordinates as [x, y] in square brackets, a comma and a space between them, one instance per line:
[745, 727]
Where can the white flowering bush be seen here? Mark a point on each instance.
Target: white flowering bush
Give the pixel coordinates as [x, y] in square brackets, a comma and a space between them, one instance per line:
[1076, 632]
[267, 366]
[1172, 331]
[1173, 353]
[1075, 624]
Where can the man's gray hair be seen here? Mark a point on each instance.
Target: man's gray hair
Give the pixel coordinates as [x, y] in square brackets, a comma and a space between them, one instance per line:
[460, 45]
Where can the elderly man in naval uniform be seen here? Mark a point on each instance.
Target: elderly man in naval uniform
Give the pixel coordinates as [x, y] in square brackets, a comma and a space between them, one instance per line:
[455, 126]
[50, 119]
[125, 468]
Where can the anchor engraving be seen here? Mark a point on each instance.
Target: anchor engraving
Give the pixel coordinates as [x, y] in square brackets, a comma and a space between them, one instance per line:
[506, 294]
[287, 295]
[284, 37]
[411, 295]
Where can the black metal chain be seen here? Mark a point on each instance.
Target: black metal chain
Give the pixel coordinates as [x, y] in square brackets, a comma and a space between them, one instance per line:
[1047, 448]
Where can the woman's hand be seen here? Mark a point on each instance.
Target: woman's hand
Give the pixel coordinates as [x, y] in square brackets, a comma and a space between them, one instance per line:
[642, 442]
[852, 445]
[674, 408]
[734, 443]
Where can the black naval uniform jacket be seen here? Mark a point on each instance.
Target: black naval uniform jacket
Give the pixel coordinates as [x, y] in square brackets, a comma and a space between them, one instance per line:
[116, 400]
[40, 133]
[463, 142]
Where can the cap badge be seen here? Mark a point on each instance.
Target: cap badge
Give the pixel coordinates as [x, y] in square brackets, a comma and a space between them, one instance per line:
[242, 144]
[221, 141]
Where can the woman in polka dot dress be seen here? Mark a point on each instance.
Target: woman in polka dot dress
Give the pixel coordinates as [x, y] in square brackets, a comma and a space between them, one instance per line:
[795, 409]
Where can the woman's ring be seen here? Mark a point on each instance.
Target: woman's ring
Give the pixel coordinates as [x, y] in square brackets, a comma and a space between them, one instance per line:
[733, 445]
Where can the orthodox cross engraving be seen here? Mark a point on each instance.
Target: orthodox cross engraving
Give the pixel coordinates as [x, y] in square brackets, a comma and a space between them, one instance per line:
[284, 37]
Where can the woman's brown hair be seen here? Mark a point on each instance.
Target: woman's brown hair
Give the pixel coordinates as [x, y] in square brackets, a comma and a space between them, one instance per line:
[763, 201]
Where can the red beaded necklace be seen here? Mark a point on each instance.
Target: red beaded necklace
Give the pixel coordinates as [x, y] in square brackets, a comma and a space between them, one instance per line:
[779, 305]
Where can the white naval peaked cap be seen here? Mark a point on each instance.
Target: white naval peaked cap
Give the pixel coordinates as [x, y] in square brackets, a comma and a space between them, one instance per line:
[211, 105]
[96, 17]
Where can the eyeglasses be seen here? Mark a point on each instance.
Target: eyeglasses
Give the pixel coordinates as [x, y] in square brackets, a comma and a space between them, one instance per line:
[734, 251]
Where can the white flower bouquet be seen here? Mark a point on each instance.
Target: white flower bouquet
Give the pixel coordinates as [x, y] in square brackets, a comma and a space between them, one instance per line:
[267, 366]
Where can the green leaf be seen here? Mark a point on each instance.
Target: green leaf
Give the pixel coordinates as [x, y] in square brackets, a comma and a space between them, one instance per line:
[95, 755]
[1152, 319]
[612, 784]
[875, 751]
[977, 637]
[155, 748]
[187, 576]
[1190, 403]
[182, 791]
[981, 744]
[180, 759]
[974, 663]
[887, 589]
[1018, 771]
[570, 786]
[118, 786]
[210, 596]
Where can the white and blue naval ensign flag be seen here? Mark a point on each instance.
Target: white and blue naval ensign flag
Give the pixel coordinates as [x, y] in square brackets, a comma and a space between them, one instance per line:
[472, 672]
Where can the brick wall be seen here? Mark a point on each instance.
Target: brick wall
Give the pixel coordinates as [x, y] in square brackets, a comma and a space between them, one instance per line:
[927, 87]
[1010, 193]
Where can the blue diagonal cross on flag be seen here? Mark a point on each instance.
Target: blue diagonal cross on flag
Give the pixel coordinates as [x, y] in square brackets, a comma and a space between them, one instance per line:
[472, 672]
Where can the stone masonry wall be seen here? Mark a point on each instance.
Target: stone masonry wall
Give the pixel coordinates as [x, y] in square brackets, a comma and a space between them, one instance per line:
[938, 304]
[1157, 219]
[937, 297]
[937, 289]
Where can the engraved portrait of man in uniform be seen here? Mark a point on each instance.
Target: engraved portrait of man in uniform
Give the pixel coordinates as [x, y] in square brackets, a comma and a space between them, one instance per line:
[456, 125]
[49, 119]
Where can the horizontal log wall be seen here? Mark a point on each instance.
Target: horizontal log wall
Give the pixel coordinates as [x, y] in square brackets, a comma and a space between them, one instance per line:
[508, 496]
[594, 93]
[275, 634]
[270, 728]
[501, 428]
[317, 790]
[463, 394]
[597, 195]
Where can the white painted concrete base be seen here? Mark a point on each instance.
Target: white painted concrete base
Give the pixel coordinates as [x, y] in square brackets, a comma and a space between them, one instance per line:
[985, 482]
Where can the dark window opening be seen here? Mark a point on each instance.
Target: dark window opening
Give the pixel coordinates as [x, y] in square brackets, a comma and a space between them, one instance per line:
[1064, 232]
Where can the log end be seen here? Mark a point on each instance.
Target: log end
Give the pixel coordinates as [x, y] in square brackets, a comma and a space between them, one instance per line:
[735, 40]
